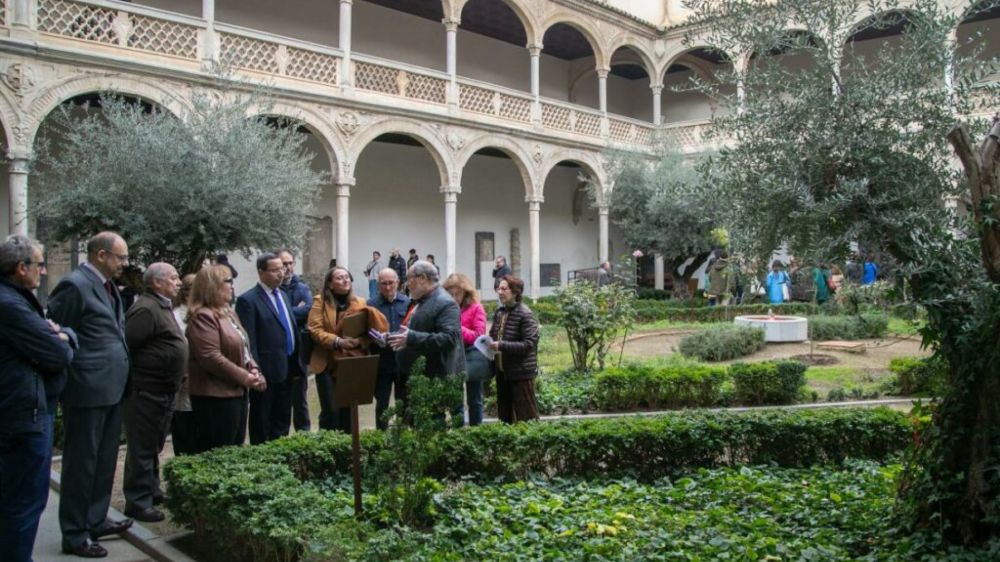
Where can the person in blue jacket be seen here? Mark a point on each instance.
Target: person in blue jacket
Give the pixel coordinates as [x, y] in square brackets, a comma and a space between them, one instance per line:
[34, 352]
[777, 281]
[871, 272]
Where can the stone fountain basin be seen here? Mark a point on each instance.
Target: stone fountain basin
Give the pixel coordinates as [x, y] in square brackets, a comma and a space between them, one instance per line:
[778, 328]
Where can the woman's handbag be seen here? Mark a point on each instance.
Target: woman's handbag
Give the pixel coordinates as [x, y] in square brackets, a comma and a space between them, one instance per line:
[477, 367]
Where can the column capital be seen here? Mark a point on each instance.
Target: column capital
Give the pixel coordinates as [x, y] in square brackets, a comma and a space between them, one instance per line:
[603, 210]
[19, 166]
[446, 189]
[346, 1]
[16, 153]
[534, 49]
[344, 189]
[451, 24]
[534, 202]
[602, 73]
[657, 89]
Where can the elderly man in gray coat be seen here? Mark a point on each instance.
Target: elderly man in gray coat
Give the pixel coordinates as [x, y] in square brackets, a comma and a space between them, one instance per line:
[88, 301]
[432, 327]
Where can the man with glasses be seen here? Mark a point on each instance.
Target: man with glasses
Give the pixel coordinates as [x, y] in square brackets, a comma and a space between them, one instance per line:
[266, 314]
[88, 302]
[301, 298]
[33, 354]
[393, 305]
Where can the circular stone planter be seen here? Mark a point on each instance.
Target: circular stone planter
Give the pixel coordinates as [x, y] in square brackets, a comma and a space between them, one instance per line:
[777, 328]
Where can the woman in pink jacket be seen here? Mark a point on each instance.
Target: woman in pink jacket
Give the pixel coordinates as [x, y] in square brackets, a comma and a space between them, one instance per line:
[460, 287]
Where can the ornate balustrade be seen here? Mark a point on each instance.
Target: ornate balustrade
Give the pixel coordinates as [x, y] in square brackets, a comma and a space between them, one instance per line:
[118, 25]
[131, 27]
[250, 50]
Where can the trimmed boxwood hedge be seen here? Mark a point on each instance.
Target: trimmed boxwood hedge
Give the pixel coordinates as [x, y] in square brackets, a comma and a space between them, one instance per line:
[634, 386]
[767, 382]
[722, 342]
[852, 327]
[261, 501]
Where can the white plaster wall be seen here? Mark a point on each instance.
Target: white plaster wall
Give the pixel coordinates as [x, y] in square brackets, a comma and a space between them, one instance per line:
[573, 246]
[186, 7]
[677, 106]
[984, 35]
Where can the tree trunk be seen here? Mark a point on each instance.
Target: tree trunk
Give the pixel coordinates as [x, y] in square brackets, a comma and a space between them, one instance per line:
[958, 486]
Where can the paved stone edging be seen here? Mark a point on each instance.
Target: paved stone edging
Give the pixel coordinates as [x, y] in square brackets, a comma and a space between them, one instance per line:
[151, 544]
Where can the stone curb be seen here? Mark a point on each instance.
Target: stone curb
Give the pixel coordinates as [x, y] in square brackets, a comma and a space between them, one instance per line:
[138, 536]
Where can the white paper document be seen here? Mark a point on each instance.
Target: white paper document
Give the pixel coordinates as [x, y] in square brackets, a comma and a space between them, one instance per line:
[482, 343]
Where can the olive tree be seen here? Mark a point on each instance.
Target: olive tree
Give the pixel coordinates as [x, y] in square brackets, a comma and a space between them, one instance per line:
[854, 149]
[221, 177]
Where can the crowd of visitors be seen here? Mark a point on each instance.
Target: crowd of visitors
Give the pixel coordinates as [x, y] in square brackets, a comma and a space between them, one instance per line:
[191, 359]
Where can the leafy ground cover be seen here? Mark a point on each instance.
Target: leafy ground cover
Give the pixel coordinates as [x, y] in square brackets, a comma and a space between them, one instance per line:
[759, 513]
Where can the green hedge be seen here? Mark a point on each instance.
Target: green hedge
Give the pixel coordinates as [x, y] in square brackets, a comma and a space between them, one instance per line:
[635, 386]
[722, 342]
[261, 502]
[856, 327]
[767, 382]
[918, 375]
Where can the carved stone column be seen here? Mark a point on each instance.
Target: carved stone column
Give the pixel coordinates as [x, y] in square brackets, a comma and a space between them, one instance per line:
[602, 233]
[602, 89]
[657, 93]
[18, 204]
[658, 273]
[534, 211]
[343, 242]
[450, 225]
[346, 70]
[210, 39]
[535, 51]
[451, 51]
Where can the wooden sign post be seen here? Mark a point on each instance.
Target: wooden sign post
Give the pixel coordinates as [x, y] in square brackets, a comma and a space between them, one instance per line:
[355, 385]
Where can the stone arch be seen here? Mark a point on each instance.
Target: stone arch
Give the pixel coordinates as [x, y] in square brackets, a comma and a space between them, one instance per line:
[517, 154]
[10, 119]
[317, 124]
[590, 163]
[421, 133]
[588, 32]
[671, 58]
[455, 7]
[631, 44]
[868, 19]
[51, 97]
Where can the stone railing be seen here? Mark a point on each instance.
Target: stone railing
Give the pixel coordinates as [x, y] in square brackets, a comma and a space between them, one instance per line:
[688, 136]
[388, 77]
[158, 32]
[118, 25]
[3, 12]
[562, 116]
[488, 99]
[250, 50]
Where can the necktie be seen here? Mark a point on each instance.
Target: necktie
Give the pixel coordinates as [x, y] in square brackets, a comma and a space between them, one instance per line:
[283, 318]
[409, 313]
[110, 288]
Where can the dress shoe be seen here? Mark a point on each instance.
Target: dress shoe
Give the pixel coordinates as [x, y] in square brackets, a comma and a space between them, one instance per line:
[159, 499]
[86, 549]
[145, 514]
[111, 528]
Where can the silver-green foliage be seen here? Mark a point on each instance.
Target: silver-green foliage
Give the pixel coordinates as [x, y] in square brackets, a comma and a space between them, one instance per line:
[593, 318]
[220, 177]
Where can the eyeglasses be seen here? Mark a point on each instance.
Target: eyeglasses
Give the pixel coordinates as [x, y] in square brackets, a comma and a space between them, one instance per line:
[228, 281]
[40, 264]
[279, 270]
[288, 263]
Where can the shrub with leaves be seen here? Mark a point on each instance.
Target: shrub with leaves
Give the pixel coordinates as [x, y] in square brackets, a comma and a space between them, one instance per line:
[768, 382]
[919, 375]
[723, 342]
[593, 318]
[857, 327]
[636, 386]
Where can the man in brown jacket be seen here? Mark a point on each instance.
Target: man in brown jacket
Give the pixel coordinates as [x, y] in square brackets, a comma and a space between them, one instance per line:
[159, 354]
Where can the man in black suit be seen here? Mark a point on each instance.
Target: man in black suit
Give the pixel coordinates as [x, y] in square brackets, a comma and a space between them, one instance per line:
[432, 327]
[88, 301]
[266, 314]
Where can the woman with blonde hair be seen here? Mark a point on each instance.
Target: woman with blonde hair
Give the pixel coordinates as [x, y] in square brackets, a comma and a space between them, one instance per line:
[182, 426]
[460, 287]
[220, 369]
[336, 302]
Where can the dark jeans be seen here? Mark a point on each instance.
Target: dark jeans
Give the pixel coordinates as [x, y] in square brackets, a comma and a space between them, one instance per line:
[331, 417]
[25, 462]
[271, 412]
[474, 396]
[147, 422]
[221, 421]
[90, 459]
[516, 400]
[300, 403]
[385, 385]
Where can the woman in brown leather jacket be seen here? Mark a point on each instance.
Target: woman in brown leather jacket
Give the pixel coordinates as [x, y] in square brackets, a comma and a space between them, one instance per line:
[326, 318]
[220, 367]
[515, 337]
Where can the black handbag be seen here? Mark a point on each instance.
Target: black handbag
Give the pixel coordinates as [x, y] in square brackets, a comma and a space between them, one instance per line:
[477, 367]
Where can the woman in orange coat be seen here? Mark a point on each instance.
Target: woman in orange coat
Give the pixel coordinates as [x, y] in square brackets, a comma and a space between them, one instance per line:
[326, 318]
